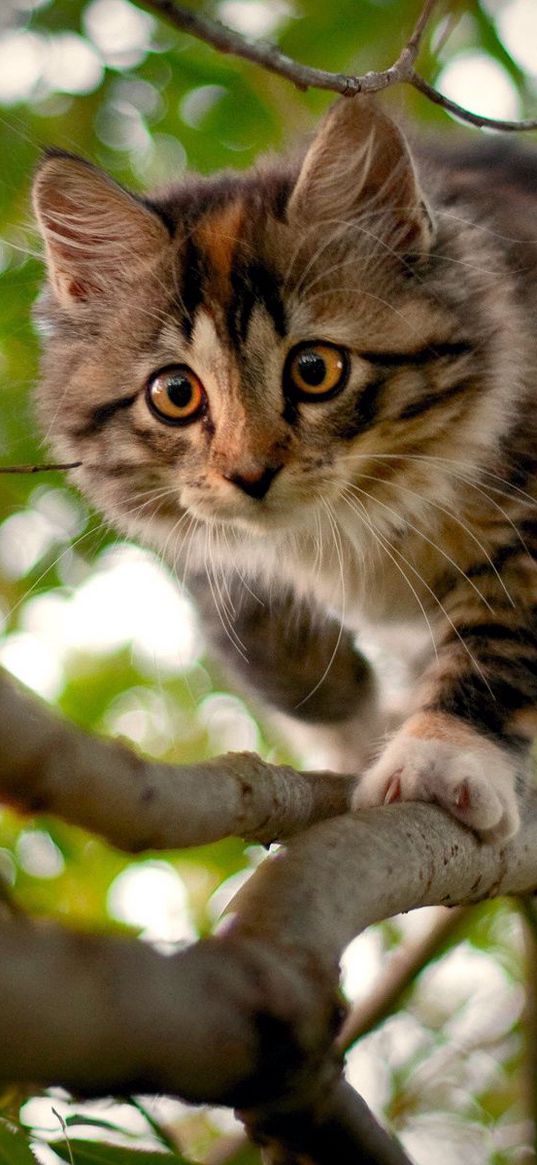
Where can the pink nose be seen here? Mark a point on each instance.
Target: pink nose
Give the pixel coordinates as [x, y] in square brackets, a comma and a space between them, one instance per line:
[257, 483]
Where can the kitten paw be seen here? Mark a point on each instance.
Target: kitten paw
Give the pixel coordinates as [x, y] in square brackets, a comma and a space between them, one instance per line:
[476, 785]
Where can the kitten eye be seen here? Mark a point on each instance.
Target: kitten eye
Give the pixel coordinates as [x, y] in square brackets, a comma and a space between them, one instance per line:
[316, 371]
[175, 395]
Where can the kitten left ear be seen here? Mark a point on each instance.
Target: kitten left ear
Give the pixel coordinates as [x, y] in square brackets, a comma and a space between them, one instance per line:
[359, 164]
[96, 234]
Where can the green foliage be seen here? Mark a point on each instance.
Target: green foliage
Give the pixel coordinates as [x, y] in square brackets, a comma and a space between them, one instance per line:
[14, 1149]
[156, 102]
[95, 1153]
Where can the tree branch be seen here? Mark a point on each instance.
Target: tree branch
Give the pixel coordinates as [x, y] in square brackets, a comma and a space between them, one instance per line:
[465, 114]
[248, 1017]
[529, 1021]
[226, 40]
[331, 1131]
[49, 765]
[402, 969]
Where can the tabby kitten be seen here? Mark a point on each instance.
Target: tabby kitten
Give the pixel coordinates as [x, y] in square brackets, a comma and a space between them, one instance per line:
[312, 388]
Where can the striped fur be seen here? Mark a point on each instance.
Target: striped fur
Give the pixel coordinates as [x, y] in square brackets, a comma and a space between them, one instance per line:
[408, 496]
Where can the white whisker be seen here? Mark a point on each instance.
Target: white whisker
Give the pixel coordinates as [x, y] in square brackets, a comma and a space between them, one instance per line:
[420, 533]
[454, 517]
[438, 601]
[332, 522]
[384, 543]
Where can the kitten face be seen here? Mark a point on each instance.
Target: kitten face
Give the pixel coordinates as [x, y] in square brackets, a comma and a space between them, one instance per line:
[227, 357]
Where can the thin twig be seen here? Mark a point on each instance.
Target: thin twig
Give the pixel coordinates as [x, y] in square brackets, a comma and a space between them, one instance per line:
[404, 966]
[39, 468]
[464, 114]
[226, 40]
[529, 1022]
[413, 44]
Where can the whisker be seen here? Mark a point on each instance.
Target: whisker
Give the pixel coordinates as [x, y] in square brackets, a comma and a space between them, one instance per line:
[332, 521]
[526, 499]
[221, 611]
[385, 543]
[483, 228]
[95, 530]
[450, 514]
[444, 611]
[430, 541]
[469, 466]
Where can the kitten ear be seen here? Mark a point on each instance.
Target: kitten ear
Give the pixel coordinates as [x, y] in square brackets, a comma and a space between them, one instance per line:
[359, 164]
[96, 234]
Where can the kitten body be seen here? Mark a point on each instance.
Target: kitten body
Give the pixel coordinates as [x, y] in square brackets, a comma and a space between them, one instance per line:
[311, 388]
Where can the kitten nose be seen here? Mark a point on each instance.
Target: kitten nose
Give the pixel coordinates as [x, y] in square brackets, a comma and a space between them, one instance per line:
[255, 484]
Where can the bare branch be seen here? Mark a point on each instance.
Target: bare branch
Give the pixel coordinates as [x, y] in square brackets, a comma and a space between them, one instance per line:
[330, 1131]
[401, 971]
[248, 1017]
[464, 114]
[47, 764]
[289, 927]
[529, 1019]
[38, 468]
[413, 44]
[226, 40]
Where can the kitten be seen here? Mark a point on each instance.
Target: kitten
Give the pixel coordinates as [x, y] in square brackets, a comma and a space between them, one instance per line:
[311, 388]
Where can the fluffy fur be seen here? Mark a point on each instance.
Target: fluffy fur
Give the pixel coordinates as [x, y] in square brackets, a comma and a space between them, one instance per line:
[407, 494]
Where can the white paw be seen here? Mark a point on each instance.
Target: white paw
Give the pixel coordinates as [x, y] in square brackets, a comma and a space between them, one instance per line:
[476, 785]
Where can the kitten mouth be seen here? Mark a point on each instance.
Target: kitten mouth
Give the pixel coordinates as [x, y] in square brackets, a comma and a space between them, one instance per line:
[256, 517]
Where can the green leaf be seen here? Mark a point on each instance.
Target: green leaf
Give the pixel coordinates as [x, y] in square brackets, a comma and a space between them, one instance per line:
[14, 1147]
[98, 1153]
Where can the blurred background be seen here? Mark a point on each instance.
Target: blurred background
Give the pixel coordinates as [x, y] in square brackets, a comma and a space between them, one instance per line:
[100, 628]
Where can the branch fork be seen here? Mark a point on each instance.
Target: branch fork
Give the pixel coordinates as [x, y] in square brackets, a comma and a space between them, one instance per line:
[249, 1017]
[269, 57]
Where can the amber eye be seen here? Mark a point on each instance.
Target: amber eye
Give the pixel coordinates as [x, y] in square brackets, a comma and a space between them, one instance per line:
[316, 372]
[175, 395]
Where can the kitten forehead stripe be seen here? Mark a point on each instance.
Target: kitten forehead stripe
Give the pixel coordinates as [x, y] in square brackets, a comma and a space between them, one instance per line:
[253, 283]
[218, 236]
[192, 282]
[216, 270]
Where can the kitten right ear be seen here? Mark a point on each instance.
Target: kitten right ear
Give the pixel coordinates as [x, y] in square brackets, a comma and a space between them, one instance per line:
[359, 166]
[96, 234]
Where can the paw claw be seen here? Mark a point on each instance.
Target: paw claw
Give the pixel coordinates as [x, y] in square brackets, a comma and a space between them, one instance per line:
[393, 792]
[475, 784]
[463, 799]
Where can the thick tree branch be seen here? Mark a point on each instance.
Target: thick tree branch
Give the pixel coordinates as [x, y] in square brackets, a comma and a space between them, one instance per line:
[249, 1017]
[49, 765]
[331, 1131]
[226, 40]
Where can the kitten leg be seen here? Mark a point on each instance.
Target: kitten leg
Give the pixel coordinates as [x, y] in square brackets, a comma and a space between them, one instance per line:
[467, 746]
[304, 666]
